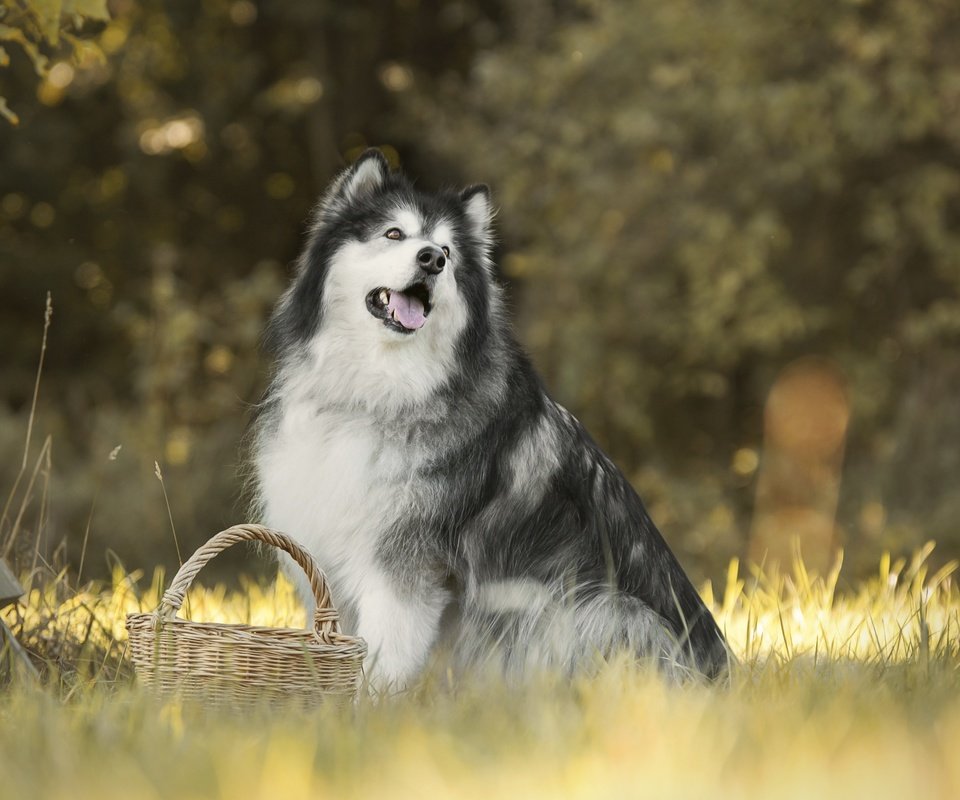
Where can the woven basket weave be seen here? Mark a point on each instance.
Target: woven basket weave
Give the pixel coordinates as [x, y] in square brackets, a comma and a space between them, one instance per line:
[244, 665]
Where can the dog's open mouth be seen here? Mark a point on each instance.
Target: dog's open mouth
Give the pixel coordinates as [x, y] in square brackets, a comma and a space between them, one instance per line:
[404, 311]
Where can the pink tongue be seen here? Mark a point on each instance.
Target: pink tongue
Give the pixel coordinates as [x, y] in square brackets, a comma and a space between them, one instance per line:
[408, 310]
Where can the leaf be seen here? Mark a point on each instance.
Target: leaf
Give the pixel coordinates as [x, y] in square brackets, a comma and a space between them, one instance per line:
[48, 14]
[91, 9]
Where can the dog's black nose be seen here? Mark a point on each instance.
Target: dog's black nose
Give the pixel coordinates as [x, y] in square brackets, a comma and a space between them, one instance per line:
[431, 259]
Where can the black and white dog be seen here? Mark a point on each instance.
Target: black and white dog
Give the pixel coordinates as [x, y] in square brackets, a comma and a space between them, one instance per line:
[407, 442]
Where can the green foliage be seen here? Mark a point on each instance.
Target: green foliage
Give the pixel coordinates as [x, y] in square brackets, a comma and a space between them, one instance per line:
[40, 26]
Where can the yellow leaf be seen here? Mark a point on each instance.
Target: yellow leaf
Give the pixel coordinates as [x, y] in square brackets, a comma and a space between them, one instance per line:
[48, 17]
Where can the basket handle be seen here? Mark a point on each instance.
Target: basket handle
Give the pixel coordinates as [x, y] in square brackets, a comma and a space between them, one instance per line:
[326, 620]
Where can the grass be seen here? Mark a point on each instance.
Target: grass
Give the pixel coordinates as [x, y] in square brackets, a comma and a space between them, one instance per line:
[839, 694]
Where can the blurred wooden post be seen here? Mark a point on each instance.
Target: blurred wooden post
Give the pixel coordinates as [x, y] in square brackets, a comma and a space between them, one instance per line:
[10, 649]
[805, 429]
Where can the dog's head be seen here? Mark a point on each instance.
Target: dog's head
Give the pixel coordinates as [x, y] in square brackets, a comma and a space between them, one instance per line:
[391, 282]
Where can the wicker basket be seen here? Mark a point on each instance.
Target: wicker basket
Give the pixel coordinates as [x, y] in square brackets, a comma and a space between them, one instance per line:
[244, 665]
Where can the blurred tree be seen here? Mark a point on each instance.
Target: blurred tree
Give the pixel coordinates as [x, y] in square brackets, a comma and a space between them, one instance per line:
[696, 192]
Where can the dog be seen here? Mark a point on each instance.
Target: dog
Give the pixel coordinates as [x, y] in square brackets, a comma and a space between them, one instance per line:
[407, 442]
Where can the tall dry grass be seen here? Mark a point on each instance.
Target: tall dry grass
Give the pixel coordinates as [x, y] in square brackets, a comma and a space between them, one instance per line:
[839, 694]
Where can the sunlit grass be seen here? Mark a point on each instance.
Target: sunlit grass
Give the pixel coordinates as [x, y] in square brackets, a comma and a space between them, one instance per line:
[842, 691]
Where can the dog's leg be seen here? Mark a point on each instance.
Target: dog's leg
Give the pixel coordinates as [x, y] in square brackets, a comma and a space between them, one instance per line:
[524, 627]
[399, 623]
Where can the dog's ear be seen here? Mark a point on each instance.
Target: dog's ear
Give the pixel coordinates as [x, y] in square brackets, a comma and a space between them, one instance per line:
[367, 174]
[477, 208]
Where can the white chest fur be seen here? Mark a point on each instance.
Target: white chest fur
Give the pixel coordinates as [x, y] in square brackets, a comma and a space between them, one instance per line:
[331, 481]
[336, 483]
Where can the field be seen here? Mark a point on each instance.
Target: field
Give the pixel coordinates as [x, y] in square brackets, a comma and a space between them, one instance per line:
[840, 693]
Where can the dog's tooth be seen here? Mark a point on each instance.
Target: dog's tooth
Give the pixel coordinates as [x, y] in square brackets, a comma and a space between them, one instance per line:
[384, 296]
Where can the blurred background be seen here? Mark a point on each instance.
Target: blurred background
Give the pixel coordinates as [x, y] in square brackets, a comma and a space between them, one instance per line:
[730, 232]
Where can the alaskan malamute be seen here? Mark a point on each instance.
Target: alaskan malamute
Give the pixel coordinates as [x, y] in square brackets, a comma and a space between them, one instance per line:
[407, 442]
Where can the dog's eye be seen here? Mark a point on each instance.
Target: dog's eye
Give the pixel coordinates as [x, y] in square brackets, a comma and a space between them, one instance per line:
[446, 251]
[394, 233]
